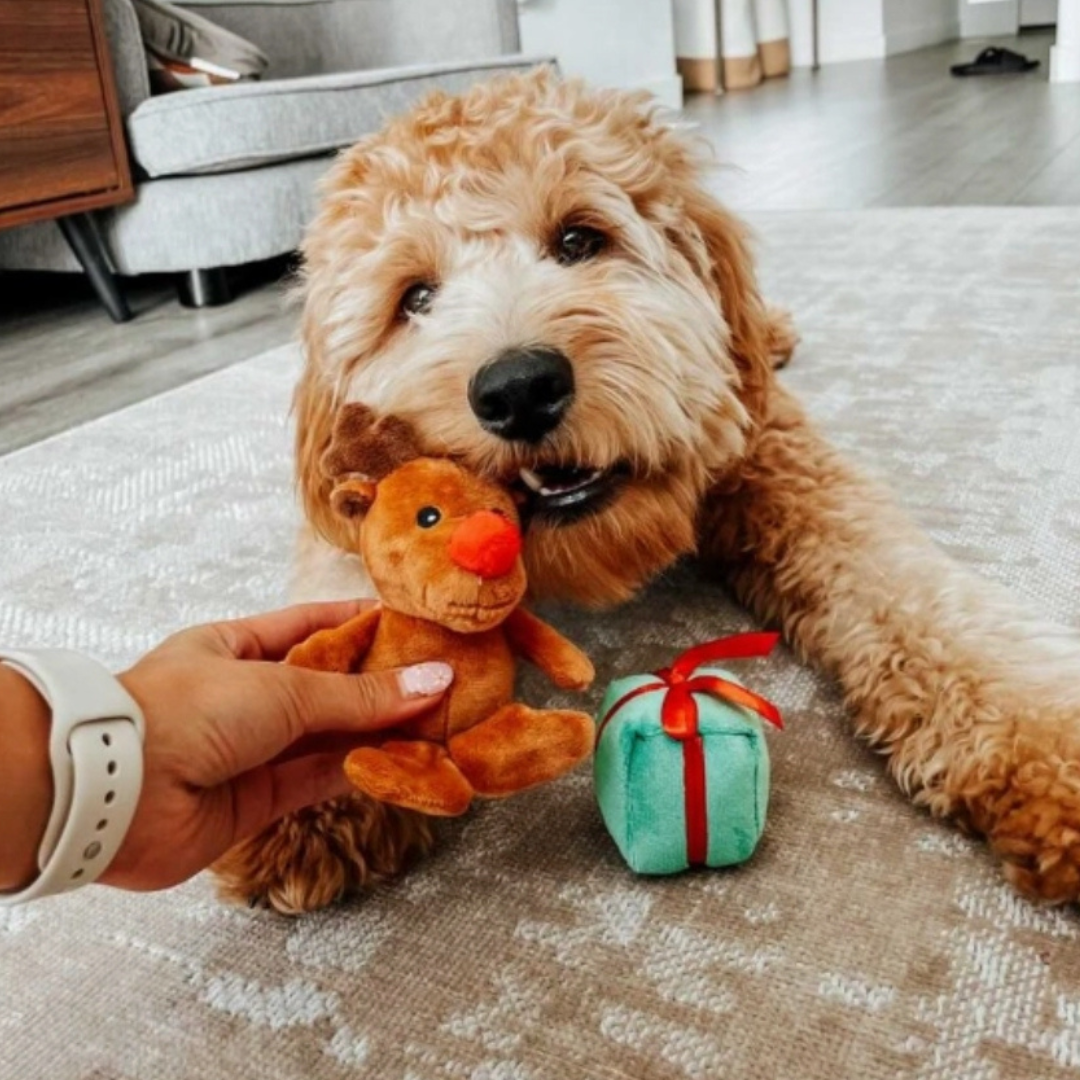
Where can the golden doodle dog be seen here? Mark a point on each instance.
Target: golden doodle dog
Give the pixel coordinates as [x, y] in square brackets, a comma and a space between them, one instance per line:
[533, 276]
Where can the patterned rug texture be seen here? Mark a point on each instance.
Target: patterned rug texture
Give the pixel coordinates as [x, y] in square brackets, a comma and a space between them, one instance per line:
[864, 940]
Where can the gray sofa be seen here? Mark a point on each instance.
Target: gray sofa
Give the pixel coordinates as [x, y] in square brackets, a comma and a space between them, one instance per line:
[226, 175]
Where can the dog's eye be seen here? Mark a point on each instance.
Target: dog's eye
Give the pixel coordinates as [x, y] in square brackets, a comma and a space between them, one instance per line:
[428, 516]
[417, 299]
[577, 243]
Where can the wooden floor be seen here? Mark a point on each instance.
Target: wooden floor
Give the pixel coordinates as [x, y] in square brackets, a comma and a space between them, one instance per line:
[897, 132]
[62, 362]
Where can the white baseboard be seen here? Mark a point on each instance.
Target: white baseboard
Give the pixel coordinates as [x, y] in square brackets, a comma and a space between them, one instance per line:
[998, 19]
[668, 90]
[918, 37]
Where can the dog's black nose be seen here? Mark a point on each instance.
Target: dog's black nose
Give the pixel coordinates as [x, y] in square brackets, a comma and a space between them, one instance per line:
[523, 394]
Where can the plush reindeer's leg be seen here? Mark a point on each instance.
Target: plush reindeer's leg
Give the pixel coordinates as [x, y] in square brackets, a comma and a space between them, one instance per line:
[518, 748]
[414, 775]
[975, 700]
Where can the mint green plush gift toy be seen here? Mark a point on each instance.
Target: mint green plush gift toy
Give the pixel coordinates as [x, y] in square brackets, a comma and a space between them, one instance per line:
[681, 764]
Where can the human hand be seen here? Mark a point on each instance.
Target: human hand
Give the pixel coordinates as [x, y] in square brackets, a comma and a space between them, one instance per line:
[236, 740]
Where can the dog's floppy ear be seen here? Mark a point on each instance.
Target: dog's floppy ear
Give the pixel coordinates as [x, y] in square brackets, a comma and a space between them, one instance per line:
[368, 446]
[717, 246]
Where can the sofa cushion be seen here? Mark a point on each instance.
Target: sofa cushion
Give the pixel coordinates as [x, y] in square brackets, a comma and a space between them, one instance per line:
[221, 128]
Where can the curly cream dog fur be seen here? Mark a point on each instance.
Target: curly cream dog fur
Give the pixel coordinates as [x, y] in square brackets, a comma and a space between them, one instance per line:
[471, 200]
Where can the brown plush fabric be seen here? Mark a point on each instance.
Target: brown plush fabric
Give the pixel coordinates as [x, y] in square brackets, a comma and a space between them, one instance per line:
[339, 649]
[416, 774]
[483, 670]
[520, 748]
[443, 548]
[565, 664]
[367, 445]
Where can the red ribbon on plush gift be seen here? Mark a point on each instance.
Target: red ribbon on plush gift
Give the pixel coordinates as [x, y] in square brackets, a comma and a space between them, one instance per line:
[679, 717]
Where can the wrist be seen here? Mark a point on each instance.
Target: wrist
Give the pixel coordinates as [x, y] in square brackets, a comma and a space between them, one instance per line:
[95, 755]
[26, 783]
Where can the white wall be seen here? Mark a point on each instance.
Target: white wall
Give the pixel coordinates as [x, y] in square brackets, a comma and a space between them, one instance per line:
[849, 30]
[1038, 12]
[608, 42]
[989, 18]
[913, 24]
[1065, 55]
[863, 29]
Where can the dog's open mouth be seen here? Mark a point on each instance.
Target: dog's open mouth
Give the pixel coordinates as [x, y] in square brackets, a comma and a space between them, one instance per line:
[560, 494]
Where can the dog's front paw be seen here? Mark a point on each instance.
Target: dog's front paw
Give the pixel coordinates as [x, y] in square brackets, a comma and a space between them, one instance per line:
[1033, 822]
[317, 856]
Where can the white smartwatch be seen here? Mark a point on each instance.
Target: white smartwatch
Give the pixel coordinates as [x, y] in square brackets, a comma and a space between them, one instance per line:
[96, 749]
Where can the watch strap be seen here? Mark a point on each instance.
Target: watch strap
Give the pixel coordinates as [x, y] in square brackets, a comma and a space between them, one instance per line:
[96, 752]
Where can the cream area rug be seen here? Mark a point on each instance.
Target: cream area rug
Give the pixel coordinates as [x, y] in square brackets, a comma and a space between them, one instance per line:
[863, 940]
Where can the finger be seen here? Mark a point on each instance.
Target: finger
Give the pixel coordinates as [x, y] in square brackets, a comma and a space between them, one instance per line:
[272, 635]
[284, 704]
[266, 794]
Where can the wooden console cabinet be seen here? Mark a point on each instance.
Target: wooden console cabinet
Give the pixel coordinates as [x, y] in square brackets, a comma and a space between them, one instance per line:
[62, 149]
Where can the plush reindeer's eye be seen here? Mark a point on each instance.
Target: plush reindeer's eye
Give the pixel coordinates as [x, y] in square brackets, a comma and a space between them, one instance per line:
[578, 243]
[417, 299]
[428, 516]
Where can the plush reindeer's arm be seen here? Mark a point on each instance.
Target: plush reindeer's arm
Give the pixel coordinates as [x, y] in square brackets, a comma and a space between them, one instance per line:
[338, 649]
[561, 660]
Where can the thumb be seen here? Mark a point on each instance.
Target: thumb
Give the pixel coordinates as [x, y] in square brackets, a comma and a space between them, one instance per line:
[286, 708]
[327, 701]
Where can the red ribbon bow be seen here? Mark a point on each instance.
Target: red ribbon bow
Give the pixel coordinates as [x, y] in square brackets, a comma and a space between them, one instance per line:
[678, 713]
[679, 716]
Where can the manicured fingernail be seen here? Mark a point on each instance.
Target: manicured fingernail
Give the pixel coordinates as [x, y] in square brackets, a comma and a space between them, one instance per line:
[423, 680]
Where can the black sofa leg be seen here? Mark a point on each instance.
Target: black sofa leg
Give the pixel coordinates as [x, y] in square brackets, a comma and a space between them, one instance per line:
[85, 240]
[204, 288]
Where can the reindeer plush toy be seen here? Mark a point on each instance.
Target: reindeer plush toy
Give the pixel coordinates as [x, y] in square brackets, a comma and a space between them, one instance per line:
[443, 549]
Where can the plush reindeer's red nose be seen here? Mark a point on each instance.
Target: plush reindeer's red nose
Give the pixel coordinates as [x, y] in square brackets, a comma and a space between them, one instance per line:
[486, 544]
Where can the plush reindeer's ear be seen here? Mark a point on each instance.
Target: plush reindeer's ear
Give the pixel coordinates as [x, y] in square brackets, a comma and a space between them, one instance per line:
[352, 498]
[367, 445]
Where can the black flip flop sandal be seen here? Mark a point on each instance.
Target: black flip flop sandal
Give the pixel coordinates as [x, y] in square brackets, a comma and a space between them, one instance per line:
[995, 61]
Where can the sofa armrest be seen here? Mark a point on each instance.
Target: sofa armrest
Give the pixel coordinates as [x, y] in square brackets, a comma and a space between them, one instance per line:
[308, 37]
[128, 55]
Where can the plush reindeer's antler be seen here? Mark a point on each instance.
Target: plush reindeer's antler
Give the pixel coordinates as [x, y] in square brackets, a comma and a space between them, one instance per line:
[366, 445]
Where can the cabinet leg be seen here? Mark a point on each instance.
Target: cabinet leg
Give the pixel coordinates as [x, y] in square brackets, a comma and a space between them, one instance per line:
[84, 239]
